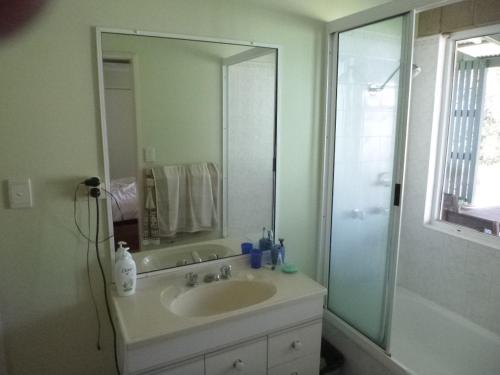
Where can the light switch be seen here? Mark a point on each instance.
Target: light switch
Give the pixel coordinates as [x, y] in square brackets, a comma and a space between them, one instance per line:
[20, 193]
[150, 154]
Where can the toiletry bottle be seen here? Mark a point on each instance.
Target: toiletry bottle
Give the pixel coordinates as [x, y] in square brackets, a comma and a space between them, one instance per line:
[275, 254]
[270, 239]
[282, 250]
[263, 240]
[125, 271]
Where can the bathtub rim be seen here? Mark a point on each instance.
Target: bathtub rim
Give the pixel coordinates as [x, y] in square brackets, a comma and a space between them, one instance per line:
[436, 307]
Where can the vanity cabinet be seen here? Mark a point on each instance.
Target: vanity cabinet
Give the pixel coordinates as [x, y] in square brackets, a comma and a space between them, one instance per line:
[293, 351]
[281, 335]
[247, 359]
[294, 344]
[308, 365]
[194, 367]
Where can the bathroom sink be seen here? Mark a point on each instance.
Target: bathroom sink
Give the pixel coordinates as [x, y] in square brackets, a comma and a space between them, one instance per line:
[220, 297]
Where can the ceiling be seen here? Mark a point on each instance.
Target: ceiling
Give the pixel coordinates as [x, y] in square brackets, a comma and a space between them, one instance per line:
[324, 10]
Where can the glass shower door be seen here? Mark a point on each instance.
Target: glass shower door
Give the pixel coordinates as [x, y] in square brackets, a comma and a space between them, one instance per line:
[368, 146]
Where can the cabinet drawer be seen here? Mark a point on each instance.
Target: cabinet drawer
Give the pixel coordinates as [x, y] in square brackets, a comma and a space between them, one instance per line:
[308, 365]
[293, 344]
[250, 359]
[196, 367]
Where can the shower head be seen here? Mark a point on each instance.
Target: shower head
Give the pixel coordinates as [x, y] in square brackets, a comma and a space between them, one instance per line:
[415, 71]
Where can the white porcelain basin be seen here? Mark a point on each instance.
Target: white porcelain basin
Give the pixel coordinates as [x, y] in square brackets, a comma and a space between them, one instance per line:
[220, 297]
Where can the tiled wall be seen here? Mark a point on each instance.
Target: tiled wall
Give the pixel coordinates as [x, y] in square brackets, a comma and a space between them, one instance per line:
[459, 16]
[460, 275]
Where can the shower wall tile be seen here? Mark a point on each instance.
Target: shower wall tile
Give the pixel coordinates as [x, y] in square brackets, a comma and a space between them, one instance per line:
[486, 11]
[457, 16]
[476, 264]
[494, 305]
[463, 15]
[429, 22]
[458, 274]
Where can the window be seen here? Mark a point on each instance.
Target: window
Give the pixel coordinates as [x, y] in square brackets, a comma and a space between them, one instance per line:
[471, 186]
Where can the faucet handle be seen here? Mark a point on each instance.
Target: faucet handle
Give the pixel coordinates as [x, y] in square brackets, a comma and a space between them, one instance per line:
[225, 271]
[181, 262]
[192, 278]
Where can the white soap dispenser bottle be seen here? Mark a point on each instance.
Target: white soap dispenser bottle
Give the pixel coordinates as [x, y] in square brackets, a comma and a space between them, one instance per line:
[125, 271]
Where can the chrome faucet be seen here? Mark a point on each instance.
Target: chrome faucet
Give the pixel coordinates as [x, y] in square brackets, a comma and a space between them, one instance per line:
[225, 271]
[209, 277]
[196, 257]
[181, 262]
[192, 279]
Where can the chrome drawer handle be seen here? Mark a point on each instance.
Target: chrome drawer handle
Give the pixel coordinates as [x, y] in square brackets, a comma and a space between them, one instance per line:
[239, 364]
[297, 345]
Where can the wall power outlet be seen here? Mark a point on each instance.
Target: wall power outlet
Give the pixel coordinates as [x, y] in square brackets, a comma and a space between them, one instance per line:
[94, 187]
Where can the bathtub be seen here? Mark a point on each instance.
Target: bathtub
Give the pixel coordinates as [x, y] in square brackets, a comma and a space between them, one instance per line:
[153, 260]
[431, 340]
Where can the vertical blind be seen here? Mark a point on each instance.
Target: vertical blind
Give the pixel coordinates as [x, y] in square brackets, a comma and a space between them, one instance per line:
[463, 136]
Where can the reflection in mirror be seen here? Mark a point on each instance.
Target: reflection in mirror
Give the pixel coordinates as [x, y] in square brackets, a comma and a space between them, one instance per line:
[191, 140]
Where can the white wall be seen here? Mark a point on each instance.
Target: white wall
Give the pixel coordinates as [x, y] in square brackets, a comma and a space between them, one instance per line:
[179, 97]
[460, 275]
[3, 359]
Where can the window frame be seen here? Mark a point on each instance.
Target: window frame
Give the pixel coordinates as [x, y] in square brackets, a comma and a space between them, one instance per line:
[438, 162]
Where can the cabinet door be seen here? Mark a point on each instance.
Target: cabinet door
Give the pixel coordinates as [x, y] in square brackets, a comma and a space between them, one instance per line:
[248, 359]
[308, 365]
[188, 368]
[290, 345]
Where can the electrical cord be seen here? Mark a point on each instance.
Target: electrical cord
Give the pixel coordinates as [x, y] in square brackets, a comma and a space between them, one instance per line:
[89, 279]
[106, 299]
[116, 202]
[103, 275]
[75, 210]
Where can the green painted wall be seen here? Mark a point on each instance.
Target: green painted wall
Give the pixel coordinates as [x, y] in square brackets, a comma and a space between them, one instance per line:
[179, 97]
[51, 133]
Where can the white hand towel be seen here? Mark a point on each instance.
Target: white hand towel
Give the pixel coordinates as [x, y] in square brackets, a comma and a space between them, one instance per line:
[186, 198]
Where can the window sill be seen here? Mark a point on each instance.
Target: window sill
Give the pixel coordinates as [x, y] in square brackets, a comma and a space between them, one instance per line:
[464, 233]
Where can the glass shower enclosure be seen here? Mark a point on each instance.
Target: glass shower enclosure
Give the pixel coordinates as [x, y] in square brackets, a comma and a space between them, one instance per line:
[370, 69]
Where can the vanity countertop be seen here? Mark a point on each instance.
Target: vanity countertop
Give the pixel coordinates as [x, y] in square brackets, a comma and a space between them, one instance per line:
[143, 317]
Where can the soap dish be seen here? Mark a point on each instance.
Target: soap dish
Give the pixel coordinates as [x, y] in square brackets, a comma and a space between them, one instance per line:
[289, 268]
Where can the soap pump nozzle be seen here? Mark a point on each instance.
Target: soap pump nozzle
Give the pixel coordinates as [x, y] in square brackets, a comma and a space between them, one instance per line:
[122, 251]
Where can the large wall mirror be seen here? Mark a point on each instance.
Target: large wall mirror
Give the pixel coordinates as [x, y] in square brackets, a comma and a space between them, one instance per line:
[189, 130]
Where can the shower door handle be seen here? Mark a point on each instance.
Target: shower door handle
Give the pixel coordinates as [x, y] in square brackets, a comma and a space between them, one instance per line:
[397, 195]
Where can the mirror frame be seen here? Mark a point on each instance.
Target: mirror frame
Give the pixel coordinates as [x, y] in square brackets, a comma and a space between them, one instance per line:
[104, 137]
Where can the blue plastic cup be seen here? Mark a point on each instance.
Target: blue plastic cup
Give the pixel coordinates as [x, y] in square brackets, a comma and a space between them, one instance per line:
[255, 258]
[246, 247]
